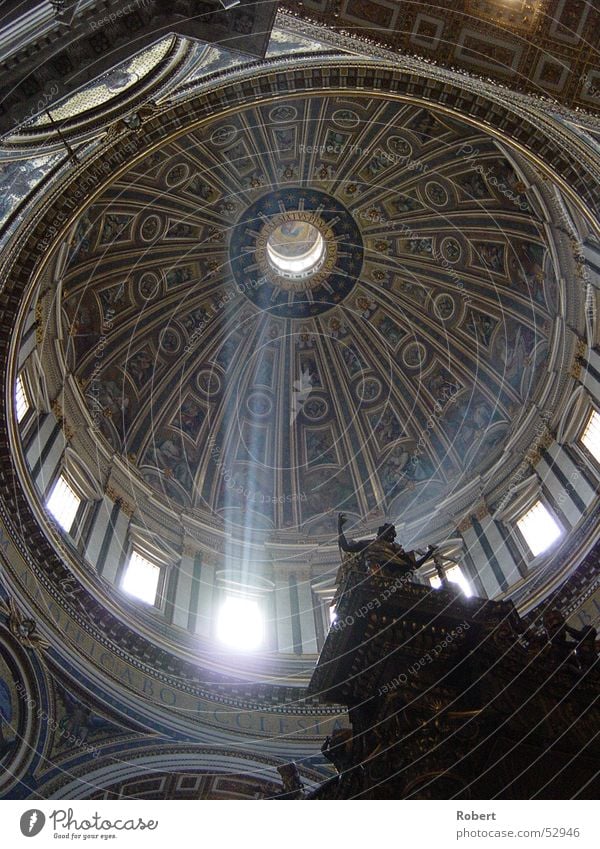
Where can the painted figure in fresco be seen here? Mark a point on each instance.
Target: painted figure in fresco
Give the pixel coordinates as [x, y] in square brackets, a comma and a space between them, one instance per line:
[191, 417]
[284, 138]
[81, 242]
[405, 203]
[352, 359]
[170, 456]
[180, 230]
[392, 473]
[379, 162]
[114, 226]
[526, 264]
[481, 326]
[386, 427]
[76, 722]
[423, 124]
[111, 396]
[490, 255]
[202, 190]
[113, 296]
[319, 447]
[140, 367]
[17, 178]
[474, 187]
[382, 554]
[421, 247]
[513, 351]
[323, 490]
[175, 276]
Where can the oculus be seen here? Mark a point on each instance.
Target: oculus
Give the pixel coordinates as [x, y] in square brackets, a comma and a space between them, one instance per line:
[296, 249]
[296, 253]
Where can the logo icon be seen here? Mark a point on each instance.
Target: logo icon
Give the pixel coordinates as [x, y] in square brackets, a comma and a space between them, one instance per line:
[300, 393]
[32, 822]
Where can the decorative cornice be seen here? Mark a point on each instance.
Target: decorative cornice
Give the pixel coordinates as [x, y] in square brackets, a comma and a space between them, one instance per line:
[464, 525]
[481, 511]
[543, 441]
[118, 498]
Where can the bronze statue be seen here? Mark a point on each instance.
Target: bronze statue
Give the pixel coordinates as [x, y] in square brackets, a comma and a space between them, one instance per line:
[293, 786]
[557, 632]
[585, 639]
[382, 552]
[337, 748]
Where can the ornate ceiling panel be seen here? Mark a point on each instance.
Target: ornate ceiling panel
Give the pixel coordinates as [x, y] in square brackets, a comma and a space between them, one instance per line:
[382, 379]
[538, 46]
[190, 785]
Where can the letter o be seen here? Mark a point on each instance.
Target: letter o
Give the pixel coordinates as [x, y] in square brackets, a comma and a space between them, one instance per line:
[166, 701]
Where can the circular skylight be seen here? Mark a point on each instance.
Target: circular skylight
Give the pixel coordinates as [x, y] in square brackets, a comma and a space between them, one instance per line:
[296, 249]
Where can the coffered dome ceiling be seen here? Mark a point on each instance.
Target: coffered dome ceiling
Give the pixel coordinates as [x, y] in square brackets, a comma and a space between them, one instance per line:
[318, 303]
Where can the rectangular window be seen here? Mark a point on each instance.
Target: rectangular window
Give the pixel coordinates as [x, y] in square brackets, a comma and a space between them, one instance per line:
[63, 503]
[21, 399]
[591, 435]
[540, 528]
[141, 578]
[456, 576]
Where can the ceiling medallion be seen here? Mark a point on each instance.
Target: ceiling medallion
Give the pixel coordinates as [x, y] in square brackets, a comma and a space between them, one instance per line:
[296, 253]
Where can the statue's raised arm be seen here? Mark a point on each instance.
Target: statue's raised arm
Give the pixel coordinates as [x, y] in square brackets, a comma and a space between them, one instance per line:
[349, 545]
